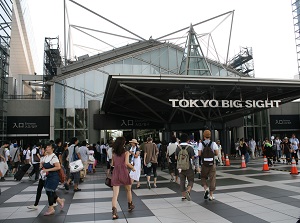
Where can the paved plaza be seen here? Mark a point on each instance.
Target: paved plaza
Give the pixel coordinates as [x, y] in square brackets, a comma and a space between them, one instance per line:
[243, 195]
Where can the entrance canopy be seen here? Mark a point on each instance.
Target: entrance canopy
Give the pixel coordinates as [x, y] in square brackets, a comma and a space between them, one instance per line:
[177, 99]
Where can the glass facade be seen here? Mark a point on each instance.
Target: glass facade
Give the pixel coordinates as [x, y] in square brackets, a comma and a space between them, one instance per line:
[256, 125]
[5, 33]
[72, 94]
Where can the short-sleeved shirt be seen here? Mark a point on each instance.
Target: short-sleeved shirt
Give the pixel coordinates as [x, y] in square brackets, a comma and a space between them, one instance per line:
[14, 153]
[171, 148]
[33, 152]
[109, 153]
[7, 154]
[84, 153]
[27, 154]
[294, 142]
[194, 144]
[189, 149]
[214, 145]
[71, 150]
[152, 152]
[51, 158]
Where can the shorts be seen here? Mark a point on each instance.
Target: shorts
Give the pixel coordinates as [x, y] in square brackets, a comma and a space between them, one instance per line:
[196, 162]
[108, 164]
[75, 177]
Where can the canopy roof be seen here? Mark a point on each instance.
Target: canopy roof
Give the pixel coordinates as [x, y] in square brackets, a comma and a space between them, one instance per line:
[148, 97]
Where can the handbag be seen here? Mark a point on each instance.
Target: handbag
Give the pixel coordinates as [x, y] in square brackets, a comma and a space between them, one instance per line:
[61, 174]
[76, 166]
[108, 182]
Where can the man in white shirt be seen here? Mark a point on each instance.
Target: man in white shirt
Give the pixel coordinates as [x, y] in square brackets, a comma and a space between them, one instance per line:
[252, 146]
[35, 160]
[208, 165]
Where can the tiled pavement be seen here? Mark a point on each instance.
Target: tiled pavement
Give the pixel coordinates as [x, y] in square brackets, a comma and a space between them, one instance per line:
[243, 195]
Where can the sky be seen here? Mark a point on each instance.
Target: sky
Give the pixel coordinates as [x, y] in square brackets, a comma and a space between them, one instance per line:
[266, 26]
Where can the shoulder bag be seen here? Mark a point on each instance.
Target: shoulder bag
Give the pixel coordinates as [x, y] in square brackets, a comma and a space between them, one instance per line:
[76, 165]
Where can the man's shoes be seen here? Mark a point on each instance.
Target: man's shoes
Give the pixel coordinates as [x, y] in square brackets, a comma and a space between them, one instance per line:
[76, 190]
[206, 194]
[211, 198]
[188, 195]
[33, 207]
[2, 179]
[148, 185]
[30, 177]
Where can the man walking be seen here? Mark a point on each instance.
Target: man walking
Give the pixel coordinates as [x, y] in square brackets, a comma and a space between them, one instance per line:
[150, 160]
[295, 145]
[185, 155]
[208, 150]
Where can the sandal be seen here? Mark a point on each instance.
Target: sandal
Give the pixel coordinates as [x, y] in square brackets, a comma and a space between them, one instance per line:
[130, 206]
[114, 213]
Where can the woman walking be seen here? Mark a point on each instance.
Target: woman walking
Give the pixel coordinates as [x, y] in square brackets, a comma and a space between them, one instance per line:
[39, 189]
[50, 167]
[136, 161]
[120, 175]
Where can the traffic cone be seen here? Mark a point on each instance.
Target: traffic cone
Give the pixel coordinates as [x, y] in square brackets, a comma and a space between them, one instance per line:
[294, 169]
[223, 158]
[243, 165]
[227, 162]
[265, 166]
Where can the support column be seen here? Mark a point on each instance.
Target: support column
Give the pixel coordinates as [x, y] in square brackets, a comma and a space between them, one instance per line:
[93, 108]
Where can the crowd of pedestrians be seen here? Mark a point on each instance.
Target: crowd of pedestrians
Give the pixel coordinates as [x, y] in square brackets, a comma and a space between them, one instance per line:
[125, 163]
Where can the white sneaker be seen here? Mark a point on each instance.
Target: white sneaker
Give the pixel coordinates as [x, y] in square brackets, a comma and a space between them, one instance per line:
[211, 198]
[32, 207]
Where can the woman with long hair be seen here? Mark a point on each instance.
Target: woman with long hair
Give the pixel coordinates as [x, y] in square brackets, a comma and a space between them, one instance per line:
[120, 175]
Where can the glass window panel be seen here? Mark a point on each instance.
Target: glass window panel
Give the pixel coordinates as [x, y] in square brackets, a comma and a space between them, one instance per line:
[80, 135]
[127, 66]
[214, 70]
[70, 113]
[172, 59]
[69, 95]
[145, 68]
[69, 134]
[59, 134]
[58, 118]
[118, 67]
[79, 118]
[136, 66]
[155, 57]
[146, 56]
[164, 59]
[59, 96]
[223, 72]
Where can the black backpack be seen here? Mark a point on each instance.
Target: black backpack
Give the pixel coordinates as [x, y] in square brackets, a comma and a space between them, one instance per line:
[207, 155]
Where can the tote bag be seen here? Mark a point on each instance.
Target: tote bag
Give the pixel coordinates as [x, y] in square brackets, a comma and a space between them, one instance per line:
[76, 166]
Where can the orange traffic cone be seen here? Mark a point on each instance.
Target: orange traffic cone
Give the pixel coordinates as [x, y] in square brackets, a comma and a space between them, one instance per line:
[223, 158]
[243, 165]
[294, 169]
[265, 166]
[227, 162]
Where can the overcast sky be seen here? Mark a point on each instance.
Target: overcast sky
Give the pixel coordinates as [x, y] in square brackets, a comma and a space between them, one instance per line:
[266, 26]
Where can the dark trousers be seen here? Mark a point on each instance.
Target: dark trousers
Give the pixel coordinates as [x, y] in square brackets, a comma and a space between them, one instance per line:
[39, 192]
[295, 155]
[35, 170]
[51, 197]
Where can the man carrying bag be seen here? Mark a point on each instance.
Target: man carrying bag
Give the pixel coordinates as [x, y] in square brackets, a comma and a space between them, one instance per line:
[75, 164]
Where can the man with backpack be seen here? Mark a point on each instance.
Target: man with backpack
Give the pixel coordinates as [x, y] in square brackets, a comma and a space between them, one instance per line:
[208, 150]
[184, 155]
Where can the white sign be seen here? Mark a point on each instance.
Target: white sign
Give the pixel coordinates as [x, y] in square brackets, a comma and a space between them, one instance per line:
[185, 103]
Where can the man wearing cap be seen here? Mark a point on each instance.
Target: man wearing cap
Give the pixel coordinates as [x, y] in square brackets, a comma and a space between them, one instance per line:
[150, 160]
[208, 170]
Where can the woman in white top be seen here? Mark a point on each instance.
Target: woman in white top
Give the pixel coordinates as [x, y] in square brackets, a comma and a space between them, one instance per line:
[50, 167]
[108, 159]
[136, 161]
[40, 187]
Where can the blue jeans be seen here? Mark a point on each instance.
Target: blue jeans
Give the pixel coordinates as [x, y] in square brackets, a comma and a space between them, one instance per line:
[278, 154]
[247, 157]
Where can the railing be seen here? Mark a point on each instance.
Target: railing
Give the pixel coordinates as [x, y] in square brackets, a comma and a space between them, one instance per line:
[29, 96]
